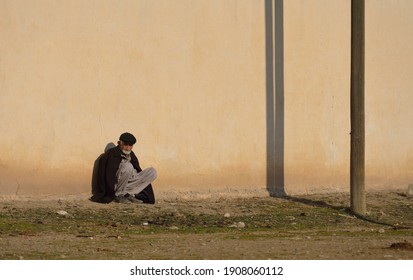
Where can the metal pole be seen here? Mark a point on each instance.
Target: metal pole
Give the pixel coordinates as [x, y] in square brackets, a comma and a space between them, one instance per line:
[357, 169]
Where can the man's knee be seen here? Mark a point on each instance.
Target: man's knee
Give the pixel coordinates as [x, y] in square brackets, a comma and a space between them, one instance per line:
[152, 173]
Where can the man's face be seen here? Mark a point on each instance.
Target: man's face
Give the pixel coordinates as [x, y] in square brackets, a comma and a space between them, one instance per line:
[125, 147]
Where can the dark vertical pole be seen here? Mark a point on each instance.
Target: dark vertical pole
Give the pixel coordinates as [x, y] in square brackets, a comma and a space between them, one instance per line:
[274, 34]
[357, 191]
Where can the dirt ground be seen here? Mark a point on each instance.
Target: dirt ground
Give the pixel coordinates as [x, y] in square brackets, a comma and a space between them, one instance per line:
[316, 227]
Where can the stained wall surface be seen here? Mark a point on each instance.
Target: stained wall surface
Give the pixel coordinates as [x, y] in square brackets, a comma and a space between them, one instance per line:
[190, 80]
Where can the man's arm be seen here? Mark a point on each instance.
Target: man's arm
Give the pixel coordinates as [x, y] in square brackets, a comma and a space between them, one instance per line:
[135, 162]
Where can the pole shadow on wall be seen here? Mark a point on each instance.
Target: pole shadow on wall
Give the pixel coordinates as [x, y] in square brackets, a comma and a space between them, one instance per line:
[274, 38]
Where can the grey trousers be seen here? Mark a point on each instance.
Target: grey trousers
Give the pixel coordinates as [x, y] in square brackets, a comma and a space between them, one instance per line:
[130, 181]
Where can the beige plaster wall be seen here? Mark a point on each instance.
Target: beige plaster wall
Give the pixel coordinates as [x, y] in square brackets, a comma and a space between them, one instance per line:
[317, 94]
[188, 78]
[389, 88]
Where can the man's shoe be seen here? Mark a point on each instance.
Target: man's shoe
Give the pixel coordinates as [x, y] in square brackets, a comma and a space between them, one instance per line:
[132, 199]
[121, 199]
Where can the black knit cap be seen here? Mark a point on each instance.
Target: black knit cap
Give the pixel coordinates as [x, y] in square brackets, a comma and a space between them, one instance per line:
[127, 138]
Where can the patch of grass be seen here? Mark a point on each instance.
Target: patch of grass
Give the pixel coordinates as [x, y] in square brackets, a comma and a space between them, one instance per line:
[113, 231]
[127, 221]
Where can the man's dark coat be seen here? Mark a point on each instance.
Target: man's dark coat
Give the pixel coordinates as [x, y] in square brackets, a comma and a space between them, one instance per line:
[108, 164]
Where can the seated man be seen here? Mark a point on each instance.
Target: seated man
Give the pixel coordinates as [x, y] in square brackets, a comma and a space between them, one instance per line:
[120, 178]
